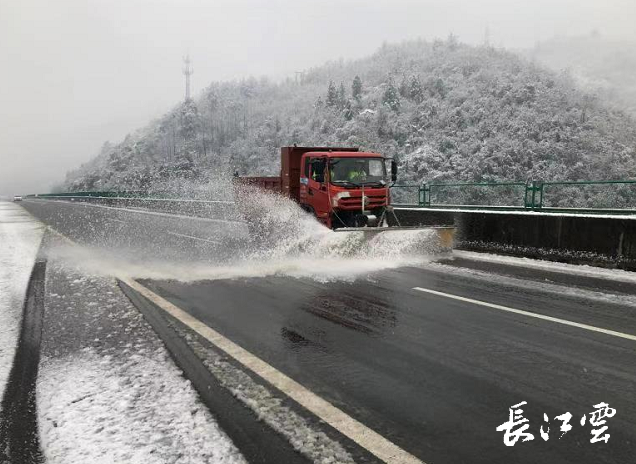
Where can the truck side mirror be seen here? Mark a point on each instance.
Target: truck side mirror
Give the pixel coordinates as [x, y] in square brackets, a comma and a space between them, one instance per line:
[394, 170]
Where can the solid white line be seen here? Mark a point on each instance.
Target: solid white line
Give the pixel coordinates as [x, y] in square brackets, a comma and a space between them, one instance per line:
[152, 213]
[530, 314]
[345, 424]
[195, 238]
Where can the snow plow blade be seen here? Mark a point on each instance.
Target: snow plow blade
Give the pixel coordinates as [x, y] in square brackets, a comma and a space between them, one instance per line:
[445, 234]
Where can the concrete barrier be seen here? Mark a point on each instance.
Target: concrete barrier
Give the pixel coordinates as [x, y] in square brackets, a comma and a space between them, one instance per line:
[600, 240]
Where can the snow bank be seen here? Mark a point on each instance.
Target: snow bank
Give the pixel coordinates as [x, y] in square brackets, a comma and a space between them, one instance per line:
[20, 236]
[108, 392]
[563, 268]
[97, 409]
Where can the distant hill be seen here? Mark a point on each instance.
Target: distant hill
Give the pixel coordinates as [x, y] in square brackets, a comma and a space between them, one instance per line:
[446, 110]
[601, 66]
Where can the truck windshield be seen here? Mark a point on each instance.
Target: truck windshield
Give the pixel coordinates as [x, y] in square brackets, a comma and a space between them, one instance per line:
[357, 171]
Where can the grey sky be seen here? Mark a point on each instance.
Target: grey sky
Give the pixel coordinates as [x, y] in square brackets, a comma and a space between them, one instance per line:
[74, 73]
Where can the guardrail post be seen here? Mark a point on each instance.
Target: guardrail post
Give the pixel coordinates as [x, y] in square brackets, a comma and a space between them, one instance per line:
[534, 195]
[425, 195]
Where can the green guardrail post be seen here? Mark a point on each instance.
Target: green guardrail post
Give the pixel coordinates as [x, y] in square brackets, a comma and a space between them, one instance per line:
[425, 195]
[533, 195]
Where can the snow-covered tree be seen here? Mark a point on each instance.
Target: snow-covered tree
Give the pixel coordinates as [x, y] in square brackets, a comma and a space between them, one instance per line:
[468, 114]
[332, 95]
[342, 96]
[356, 88]
[416, 92]
[391, 96]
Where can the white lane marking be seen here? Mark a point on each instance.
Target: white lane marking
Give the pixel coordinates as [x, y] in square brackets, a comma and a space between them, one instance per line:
[530, 314]
[195, 238]
[345, 424]
[151, 213]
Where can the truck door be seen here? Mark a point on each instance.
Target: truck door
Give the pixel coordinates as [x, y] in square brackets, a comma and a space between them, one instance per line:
[317, 196]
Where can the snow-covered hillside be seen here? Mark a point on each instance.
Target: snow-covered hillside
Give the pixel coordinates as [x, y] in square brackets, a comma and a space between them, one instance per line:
[603, 66]
[446, 110]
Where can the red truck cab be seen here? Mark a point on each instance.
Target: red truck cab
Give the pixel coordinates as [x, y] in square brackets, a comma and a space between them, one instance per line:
[342, 187]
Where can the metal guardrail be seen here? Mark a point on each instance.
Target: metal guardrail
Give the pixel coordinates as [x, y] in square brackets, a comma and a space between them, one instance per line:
[533, 196]
[102, 194]
[212, 209]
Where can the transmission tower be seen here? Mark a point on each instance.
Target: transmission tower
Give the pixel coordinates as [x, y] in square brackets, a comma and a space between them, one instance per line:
[187, 72]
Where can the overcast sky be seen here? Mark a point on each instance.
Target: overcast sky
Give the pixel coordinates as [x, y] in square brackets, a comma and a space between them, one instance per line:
[75, 73]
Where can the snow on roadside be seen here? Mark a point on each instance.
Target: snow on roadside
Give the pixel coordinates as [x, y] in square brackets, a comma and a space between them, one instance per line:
[99, 409]
[107, 389]
[20, 236]
[563, 268]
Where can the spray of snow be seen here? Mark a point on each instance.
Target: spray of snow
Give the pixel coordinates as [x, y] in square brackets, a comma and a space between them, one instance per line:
[281, 240]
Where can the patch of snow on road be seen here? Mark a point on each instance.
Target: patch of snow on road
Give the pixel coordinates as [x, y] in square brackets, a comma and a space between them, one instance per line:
[563, 268]
[20, 236]
[269, 407]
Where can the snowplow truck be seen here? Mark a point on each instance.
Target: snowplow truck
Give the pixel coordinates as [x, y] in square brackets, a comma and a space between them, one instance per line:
[344, 188]
[341, 187]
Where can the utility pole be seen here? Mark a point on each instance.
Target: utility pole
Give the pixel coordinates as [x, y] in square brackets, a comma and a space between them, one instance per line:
[187, 72]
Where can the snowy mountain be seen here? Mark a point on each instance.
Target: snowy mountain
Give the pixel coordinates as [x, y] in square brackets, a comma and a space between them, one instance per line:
[446, 110]
[600, 65]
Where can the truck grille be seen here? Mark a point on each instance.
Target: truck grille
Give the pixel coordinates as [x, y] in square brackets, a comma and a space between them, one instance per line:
[373, 201]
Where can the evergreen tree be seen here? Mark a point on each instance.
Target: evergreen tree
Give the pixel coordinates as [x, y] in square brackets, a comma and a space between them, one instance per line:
[391, 96]
[332, 95]
[342, 98]
[356, 89]
[348, 111]
[404, 87]
[416, 92]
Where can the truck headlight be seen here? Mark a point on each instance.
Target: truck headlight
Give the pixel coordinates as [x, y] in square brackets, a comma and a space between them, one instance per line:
[338, 196]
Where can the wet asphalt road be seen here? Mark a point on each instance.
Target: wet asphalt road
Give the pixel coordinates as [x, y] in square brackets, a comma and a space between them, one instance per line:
[434, 375]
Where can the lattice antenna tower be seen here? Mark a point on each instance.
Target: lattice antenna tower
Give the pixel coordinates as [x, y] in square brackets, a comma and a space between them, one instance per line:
[187, 72]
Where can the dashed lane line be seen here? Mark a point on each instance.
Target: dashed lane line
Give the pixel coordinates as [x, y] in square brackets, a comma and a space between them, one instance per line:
[556, 320]
[194, 238]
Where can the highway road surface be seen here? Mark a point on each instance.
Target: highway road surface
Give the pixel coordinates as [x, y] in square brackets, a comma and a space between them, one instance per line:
[430, 357]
